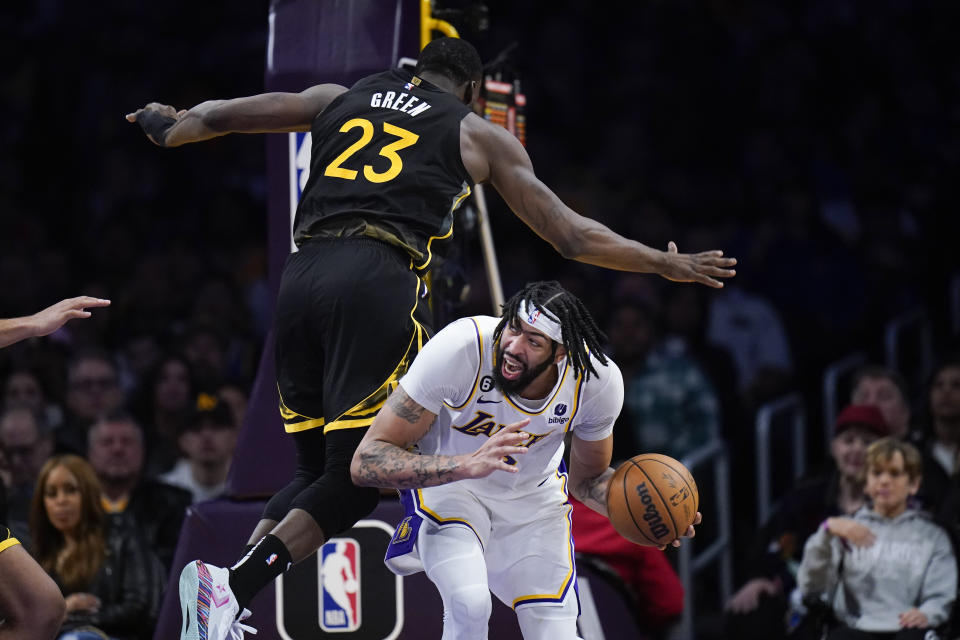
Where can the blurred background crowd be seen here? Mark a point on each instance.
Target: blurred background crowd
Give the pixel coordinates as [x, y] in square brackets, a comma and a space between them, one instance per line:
[817, 142]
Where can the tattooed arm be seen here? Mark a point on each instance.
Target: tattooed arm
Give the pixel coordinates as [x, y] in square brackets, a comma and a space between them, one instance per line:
[382, 459]
[590, 471]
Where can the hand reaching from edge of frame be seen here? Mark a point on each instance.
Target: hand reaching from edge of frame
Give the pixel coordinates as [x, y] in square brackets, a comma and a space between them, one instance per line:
[154, 127]
[48, 320]
[704, 267]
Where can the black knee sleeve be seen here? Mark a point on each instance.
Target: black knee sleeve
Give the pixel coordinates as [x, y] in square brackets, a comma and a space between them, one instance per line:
[322, 486]
[336, 503]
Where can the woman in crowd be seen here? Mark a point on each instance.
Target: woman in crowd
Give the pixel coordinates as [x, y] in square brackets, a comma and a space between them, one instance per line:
[103, 571]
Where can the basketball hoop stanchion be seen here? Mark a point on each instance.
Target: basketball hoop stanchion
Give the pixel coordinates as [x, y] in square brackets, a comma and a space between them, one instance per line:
[428, 24]
[489, 253]
[503, 105]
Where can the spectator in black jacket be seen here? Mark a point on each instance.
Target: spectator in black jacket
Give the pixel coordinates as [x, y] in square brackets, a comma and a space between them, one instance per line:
[116, 451]
[106, 574]
[941, 451]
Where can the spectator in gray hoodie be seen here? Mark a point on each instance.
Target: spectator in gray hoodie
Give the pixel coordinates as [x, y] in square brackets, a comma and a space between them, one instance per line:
[888, 572]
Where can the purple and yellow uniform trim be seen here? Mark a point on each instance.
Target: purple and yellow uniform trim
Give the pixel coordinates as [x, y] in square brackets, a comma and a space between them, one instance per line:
[6, 539]
[431, 515]
[476, 379]
[576, 402]
[571, 577]
[362, 414]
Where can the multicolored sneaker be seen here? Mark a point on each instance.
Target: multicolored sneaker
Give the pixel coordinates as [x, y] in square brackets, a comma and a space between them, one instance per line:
[208, 605]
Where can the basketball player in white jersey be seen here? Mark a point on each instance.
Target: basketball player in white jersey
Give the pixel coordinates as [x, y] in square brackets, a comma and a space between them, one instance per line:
[474, 438]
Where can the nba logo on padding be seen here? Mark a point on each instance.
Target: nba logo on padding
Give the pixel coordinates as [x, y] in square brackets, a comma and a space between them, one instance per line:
[340, 585]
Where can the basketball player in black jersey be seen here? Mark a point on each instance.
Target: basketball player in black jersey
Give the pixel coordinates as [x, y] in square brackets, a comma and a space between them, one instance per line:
[392, 158]
[31, 605]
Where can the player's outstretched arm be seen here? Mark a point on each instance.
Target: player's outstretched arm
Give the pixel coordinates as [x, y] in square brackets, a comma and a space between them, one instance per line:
[264, 113]
[48, 320]
[590, 471]
[491, 153]
[382, 459]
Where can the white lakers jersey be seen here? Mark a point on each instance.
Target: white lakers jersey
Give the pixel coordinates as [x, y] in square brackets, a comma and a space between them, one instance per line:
[452, 376]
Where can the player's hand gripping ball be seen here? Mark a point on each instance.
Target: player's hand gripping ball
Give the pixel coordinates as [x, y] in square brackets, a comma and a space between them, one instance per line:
[652, 499]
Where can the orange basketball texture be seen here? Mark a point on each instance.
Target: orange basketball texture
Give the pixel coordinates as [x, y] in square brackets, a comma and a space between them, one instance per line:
[652, 499]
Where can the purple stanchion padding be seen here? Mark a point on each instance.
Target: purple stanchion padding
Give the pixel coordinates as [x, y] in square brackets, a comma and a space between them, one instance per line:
[265, 457]
[214, 532]
[342, 40]
[311, 42]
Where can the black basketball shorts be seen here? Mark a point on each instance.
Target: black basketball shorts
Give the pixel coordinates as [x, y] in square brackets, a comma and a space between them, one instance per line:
[351, 316]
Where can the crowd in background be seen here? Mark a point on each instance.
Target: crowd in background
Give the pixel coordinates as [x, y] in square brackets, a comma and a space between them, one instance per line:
[817, 142]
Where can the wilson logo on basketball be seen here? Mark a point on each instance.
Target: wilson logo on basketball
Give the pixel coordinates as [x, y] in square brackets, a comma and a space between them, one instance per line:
[651, 514]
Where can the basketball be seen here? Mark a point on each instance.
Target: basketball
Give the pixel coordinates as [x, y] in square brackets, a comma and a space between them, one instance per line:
[652, 499]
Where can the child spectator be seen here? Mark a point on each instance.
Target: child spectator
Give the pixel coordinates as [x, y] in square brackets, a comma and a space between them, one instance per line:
[888, 572]
[758, 609]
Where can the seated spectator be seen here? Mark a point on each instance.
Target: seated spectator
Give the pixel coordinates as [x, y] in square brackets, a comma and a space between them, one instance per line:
[207, 441]
[685, 317]
[750, 328]
[237, 399]
[887, 572]
[886, 390]
[948, 516]
[93, 390]
[759, 607]
[26, 446]
[206, 346]
[163, 404]
[941, 451]
[105, 573]
[23, 388]
[116, 453]
[669, 403]
[654, 586]
[138, 354]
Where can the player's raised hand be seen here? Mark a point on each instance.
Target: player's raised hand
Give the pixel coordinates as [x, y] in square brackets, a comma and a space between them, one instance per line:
[689, 533]
[490, 456]
[55, 316]
[704, 267]
[155, 119]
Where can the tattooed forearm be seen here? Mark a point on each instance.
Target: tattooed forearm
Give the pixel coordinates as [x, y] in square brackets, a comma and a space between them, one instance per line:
[381, 464]
[404, 406]
[593, 491]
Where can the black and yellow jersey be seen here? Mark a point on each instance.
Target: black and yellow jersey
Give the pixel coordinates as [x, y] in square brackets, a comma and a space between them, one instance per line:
[385, 162]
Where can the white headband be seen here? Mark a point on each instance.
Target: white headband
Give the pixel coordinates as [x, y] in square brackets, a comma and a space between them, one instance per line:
[541, 321]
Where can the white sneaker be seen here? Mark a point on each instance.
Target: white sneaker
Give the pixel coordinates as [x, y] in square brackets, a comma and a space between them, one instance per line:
[208, 605]
[237, 628]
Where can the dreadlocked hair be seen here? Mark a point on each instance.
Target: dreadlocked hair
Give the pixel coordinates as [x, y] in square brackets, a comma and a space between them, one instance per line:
[581, 335]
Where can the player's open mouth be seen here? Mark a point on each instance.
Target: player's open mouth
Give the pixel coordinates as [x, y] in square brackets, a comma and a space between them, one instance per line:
[511, 367]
